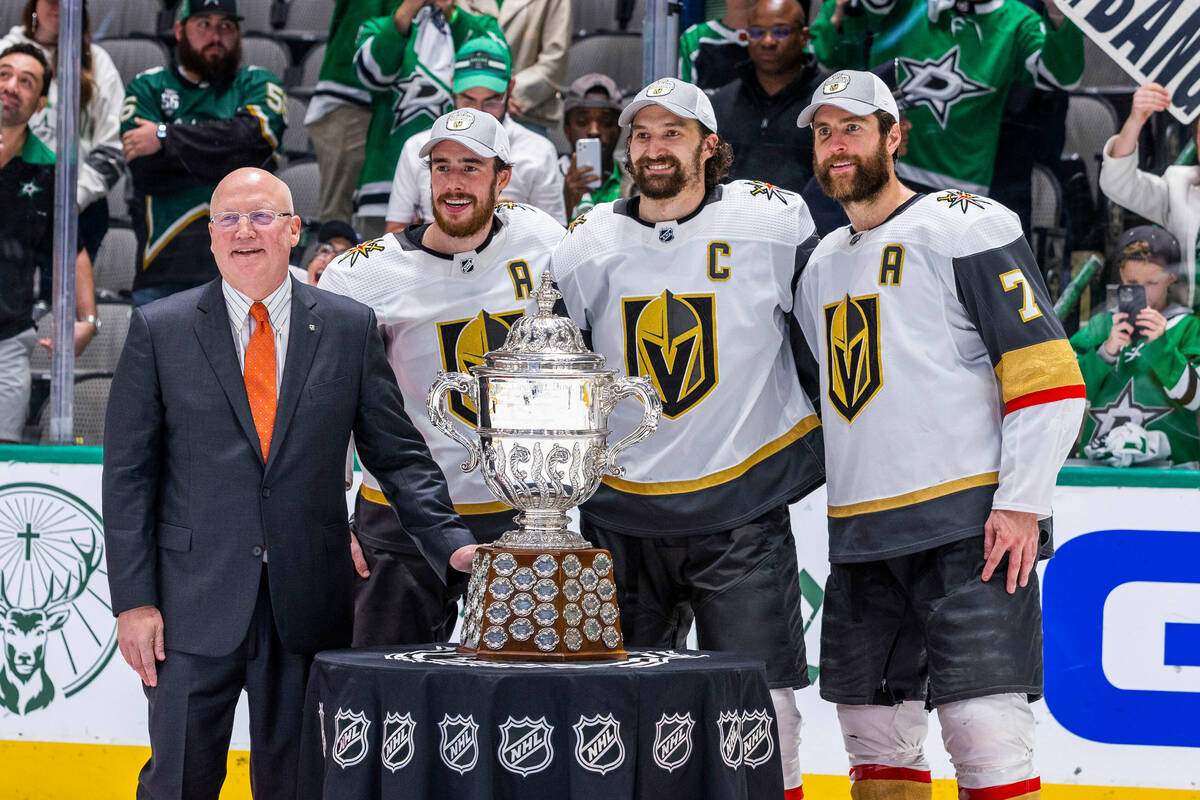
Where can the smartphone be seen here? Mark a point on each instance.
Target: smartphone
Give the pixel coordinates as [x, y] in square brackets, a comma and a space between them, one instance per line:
[587, 154]
[1131, 298]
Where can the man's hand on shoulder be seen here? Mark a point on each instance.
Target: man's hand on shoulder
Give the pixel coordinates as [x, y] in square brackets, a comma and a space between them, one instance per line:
[461, 558]
[140, 639]
[1014, 533]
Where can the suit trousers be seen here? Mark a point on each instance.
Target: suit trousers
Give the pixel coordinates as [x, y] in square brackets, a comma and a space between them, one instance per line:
[192, 708]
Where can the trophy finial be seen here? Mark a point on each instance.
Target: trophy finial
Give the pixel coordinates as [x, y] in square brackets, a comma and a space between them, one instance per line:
[547, 295]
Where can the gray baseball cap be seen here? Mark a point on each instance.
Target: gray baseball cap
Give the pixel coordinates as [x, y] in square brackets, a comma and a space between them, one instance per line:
[593, 90]
[861, 93]
[681, 98]
[478, 131]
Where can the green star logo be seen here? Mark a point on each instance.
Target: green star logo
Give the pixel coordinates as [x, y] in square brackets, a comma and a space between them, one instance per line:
[29, 189]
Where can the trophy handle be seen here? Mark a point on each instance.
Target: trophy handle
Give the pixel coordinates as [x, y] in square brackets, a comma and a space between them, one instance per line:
[643, 390]
[435, 404]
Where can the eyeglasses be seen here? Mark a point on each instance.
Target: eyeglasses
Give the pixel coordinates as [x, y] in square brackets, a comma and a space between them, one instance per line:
[493, 105]
[756, 32]
[262, 218]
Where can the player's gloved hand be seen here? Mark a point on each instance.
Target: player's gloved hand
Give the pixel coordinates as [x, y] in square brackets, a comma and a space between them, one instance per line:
[1128, 444]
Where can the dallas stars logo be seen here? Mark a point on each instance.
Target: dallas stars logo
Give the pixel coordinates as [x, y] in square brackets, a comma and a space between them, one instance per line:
[418, 95]
[939, 84]
[963, 200]
[365, 249]
[770, 192]
[1124, 409]
[29, 189]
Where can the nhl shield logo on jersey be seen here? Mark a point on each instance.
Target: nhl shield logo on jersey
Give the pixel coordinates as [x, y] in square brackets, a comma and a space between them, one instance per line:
[525, 746]
[757, 743]
[397, 747]
[464, 343]
[460, 743]
[598, 745]
[853, 361]
[350, 744]
[673, 741]
[729, 729]
[672, 340]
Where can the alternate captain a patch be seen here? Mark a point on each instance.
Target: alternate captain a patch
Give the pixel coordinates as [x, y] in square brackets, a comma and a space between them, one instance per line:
[464, 343]
[853, 361]
[672, 340]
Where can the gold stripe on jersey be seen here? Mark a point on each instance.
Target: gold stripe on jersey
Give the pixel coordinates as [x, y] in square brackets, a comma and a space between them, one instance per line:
[912, 498]
[1036, 368]
[798, 432]
[496, 507]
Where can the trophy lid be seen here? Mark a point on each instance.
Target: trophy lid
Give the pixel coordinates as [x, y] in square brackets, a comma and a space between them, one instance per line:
[544, 341]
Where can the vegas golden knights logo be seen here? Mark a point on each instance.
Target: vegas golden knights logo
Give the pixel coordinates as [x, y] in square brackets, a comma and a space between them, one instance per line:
[672, 340]
[852, 353]
[464, 344]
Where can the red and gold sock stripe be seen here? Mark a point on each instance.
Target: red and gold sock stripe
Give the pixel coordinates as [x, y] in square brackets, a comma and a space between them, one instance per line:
[1021, 790]
[880, 782]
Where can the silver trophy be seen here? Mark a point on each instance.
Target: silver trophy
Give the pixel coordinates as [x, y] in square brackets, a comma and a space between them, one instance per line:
[543, 400]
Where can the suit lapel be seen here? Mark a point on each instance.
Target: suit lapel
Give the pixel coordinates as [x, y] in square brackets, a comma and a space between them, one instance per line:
[216, 338]
[302, 346]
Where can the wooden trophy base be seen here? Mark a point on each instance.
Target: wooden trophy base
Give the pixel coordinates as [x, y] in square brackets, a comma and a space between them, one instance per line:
[542, 605]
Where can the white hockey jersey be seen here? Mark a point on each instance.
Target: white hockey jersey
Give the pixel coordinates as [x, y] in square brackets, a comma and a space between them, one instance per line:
[948, 387]
[701, 307]
[439, 312]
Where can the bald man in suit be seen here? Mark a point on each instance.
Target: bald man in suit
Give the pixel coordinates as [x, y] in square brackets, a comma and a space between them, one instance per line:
[228, 547]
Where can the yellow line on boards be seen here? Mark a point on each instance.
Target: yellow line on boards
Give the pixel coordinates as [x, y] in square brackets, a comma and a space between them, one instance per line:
[67, 771]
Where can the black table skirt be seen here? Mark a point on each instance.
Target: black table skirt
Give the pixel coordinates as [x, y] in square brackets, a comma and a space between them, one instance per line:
[425, 722]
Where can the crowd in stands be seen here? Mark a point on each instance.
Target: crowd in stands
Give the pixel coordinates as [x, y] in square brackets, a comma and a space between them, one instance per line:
[338, 98]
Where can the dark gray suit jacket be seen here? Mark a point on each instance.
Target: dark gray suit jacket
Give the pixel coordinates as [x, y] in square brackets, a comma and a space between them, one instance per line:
[189, 504]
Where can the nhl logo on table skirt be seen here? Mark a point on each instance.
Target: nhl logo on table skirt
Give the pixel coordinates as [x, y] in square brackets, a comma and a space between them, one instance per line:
[460, 743]
[525, 746]
[757, 743]
[673, 741]
[729, 726]
[397, 748]
[350, 743]
[598, 745]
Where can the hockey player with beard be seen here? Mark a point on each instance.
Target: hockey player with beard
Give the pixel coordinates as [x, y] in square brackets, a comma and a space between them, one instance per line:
[690, 285]
[445, 293]
[951, 399]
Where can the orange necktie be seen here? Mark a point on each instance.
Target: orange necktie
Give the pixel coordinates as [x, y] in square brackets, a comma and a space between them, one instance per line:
[260, 376]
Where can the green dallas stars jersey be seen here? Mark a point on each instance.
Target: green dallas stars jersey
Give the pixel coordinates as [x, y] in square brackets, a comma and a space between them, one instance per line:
[1154, 384]
[337, 83]
[954, 74]
[406, 96]
[211, 131]
[709, 53]
[27, 197]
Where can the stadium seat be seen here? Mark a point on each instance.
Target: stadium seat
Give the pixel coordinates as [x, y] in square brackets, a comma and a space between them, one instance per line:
[1091, 120]
[305, 182]
[10, 14]
[618, 55]
[310, 68]
[91, 403]
[589, 16]
[135, 55]
[104, 350]
[114, 19]
[267, 53]
[256, 17]
[1047, 233]
[118, 203]
[116, 263]
[295, 137]
[307, 19]
[1101, 72]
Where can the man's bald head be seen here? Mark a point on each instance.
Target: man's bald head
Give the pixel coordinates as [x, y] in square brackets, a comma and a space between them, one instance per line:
[253, 259]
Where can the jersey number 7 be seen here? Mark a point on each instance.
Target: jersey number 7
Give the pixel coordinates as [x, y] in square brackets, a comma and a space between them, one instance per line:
[1011, 280]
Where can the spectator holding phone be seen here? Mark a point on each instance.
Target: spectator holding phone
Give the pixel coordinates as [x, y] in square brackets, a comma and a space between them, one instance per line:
[1171, 199]
[592, 106]
[1140, 367]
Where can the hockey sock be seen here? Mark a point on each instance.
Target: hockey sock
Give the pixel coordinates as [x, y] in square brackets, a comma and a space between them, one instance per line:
[879, 782]
[787, 718]
[1021, 790]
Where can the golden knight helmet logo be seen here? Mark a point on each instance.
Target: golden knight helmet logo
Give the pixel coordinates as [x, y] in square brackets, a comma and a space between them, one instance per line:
[464, 344]
[671, 339]
[853, 365]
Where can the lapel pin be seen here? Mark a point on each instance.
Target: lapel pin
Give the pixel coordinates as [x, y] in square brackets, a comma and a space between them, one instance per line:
[312, 327]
